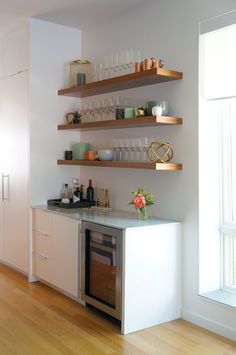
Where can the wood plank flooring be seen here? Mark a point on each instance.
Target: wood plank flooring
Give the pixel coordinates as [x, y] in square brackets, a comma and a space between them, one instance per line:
[36, 320]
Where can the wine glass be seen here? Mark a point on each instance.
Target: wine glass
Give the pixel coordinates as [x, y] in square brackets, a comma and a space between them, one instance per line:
[115, 144]
[106, 67]
[132, 147]
[138, 144]
[144, 148]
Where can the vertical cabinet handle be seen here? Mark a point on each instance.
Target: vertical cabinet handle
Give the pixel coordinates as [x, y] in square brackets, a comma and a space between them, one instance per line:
[5, 187]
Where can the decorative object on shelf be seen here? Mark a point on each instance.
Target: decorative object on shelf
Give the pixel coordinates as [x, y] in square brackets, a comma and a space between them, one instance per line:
[141, 200]
[165, 107]
[163, 104]
[105, 154]
[91, 155]
[150, 105]
[68, 155]
[80, 67]
[157, 111]
[80, 79]
[120, 114]
[129, 112]
[160, 152]
[140, 112]
[149, 63]
[73, 117]
[80, 150]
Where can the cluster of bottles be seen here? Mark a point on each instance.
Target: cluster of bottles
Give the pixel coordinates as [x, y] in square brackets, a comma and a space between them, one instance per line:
[76, 193]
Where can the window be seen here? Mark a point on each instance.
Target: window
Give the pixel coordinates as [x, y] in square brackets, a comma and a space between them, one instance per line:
[217, 154]
[227, 116]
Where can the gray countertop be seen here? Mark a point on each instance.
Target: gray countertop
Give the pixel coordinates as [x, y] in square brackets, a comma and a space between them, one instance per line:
[112, 218]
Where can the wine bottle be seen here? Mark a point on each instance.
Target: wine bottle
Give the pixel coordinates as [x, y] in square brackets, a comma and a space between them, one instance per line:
[90, 192]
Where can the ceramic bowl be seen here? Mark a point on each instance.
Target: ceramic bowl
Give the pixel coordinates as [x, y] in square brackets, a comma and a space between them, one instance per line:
[105, 154]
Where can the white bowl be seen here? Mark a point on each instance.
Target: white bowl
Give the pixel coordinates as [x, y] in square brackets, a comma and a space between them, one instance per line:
[105, 154]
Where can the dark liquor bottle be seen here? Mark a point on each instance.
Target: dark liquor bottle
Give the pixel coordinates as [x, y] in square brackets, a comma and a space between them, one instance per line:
[81, 192]
[77, 195]
[90, 192]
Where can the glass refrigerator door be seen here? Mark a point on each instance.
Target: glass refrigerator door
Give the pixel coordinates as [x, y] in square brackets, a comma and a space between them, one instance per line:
[102, 268]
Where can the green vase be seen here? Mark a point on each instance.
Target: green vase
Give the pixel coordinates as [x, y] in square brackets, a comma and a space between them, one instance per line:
[143, 213]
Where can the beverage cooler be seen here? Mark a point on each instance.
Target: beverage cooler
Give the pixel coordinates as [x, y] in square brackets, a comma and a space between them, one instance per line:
[101, 267]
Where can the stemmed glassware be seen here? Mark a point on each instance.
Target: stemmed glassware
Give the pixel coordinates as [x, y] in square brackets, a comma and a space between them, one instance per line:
[116, 64]
[133, 155]
[130, 149]
[115, 144]
[144, 148]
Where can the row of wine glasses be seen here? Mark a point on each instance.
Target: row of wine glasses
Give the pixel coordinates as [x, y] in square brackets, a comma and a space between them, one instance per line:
[131, 149]
[117, 64]
[104, 109]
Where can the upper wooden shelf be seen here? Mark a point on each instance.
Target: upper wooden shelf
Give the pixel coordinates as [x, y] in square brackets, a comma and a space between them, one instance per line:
[147, 77]
[123, 164]
[123, 123]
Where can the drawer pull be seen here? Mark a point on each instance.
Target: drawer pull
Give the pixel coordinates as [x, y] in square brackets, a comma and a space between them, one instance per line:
[41, 256]
[43, 234]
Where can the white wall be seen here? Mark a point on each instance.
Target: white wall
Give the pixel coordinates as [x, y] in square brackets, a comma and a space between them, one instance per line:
[167, 30]
[52, 47]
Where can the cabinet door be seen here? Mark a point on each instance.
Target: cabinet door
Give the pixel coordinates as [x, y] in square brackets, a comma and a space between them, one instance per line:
[15, 51]
[15, 170]
[66, 254]
[1, 170]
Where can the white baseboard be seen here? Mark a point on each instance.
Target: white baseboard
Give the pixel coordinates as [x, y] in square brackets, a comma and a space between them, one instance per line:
[209, 324]
[14, 268]
[32, 278]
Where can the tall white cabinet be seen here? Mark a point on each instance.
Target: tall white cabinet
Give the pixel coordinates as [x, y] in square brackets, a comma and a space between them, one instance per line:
[14, 123]
[33, 61]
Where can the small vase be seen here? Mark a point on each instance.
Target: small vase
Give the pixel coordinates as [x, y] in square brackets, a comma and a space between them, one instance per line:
[143, 213]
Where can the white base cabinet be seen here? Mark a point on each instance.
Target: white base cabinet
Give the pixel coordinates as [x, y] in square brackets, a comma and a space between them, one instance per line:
[151, 279]
[151, 262]
[56, 250]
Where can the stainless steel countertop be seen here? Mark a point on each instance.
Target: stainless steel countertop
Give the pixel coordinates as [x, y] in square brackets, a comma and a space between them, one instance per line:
[112, 218]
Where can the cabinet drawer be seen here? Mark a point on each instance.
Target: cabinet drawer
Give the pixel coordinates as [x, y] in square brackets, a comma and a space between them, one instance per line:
[42, 265]
[42, 243]
[42, 221]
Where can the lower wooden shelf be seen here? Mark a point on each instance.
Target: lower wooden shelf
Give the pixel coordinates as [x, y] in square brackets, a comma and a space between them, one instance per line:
[123, 164]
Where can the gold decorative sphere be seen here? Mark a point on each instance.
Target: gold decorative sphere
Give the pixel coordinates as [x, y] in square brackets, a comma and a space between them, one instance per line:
[160, 152]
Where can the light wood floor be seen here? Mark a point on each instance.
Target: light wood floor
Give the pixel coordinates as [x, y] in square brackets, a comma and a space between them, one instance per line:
[35, 319]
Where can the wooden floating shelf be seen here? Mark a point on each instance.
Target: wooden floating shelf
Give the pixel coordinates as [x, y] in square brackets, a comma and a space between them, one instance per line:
[123, 164]
[147, 77]
[124, 123]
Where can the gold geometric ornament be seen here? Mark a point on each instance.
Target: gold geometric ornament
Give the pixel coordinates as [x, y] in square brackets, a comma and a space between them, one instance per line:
[160, 152]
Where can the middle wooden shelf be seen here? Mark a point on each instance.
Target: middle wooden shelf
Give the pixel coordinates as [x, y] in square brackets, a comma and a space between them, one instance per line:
[146, 121]
[123, 164]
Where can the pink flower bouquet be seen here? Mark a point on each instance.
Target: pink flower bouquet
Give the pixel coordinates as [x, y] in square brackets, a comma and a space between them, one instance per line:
[141, 200]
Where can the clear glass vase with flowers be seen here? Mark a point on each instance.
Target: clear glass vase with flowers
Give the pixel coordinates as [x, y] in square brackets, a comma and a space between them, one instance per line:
[141, 201]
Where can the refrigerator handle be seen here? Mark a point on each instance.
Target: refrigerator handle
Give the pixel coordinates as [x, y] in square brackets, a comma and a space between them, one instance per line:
[5, 187]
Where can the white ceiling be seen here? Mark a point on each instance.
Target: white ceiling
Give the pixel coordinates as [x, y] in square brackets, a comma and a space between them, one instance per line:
[75, 13]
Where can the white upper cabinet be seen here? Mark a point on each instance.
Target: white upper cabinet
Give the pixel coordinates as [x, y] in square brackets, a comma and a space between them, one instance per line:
[15, 51]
